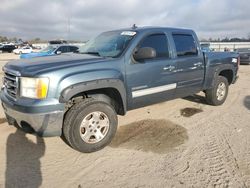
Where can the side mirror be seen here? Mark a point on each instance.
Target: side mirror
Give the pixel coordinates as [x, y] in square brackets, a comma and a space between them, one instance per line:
[145, 53]
[58, 52]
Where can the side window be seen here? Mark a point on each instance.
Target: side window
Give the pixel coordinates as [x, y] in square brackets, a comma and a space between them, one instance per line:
[59, 49]
[185, 45]
[158, 42]
[73, 49]
[63, 49]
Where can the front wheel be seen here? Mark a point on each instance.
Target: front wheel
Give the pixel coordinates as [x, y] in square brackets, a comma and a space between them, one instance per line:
[90, 125]
[218, 94]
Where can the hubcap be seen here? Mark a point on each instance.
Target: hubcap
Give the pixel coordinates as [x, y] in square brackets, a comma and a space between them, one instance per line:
[94, 127]
[221, 91]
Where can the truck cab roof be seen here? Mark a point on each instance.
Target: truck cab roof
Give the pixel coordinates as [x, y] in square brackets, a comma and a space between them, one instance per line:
[156, 28]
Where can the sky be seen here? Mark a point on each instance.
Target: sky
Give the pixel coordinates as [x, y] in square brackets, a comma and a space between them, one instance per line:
[83, 19]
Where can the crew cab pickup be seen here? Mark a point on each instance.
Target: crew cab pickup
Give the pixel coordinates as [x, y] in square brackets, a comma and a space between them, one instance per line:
[78, 96]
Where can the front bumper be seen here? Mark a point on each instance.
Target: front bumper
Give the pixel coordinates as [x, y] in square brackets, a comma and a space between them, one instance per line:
[42, 117]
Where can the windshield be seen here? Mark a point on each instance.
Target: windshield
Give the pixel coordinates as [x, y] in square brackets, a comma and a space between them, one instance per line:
[108, 44]
[48, 49]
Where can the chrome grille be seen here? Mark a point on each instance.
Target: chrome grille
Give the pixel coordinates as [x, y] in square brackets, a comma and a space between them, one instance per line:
[11, 84]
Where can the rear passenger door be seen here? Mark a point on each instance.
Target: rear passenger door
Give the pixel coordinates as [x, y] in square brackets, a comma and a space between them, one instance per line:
[189, 64]
[151, 80]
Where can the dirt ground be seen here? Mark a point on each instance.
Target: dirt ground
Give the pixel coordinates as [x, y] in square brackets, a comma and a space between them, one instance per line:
[180, 143]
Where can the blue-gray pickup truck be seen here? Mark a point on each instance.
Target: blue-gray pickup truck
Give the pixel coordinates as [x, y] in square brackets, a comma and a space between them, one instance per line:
[78, 96]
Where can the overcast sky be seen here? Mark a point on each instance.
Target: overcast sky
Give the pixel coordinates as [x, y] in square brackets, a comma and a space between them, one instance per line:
[51, 19]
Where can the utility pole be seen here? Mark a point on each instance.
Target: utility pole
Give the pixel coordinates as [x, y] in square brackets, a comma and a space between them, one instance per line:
[68, 24]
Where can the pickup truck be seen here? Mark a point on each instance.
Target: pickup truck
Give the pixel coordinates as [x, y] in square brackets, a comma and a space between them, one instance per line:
[78, 96]
[7, 48]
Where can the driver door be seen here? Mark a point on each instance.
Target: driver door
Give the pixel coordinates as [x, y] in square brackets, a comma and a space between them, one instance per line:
[151, 80]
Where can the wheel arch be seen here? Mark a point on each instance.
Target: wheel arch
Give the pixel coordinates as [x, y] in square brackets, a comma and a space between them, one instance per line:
[111, 91]
[228, 74]
[212, 75]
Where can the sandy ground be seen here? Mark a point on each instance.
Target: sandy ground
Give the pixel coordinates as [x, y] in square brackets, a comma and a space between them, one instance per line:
[180, 143]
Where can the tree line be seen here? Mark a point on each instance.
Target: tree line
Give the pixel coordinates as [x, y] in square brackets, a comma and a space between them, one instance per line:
[227, 39]
[15, 39]
[31, 41]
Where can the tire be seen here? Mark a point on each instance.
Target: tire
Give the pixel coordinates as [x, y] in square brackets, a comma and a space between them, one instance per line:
[218, 94]
[90, 125]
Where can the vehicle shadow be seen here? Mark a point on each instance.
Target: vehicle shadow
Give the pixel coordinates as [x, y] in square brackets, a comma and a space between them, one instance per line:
[3, 120]
[158, 136]
[247, 102]
[196, 98]
[23, 167]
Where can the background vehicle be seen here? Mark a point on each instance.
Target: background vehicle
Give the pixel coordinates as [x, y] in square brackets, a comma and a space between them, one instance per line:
[7, 48]
[79, 95]
[56, 42]
[205, 47]
[51, 50]
[244, 55]
[23, 50]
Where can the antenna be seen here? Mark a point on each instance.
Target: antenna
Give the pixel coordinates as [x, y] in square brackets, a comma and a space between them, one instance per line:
[134, 26]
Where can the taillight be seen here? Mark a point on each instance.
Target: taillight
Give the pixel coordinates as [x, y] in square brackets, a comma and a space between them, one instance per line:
[238, 61]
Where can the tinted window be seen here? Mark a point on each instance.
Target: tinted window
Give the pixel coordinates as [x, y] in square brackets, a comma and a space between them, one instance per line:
[158, 42]
[63, 49]
[185, 45]
[73, 48]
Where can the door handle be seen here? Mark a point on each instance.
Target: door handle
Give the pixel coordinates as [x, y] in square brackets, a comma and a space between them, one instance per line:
[198, 64]
[169, 68]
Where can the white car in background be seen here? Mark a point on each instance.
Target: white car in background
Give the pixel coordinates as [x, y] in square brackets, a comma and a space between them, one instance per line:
[23, 50]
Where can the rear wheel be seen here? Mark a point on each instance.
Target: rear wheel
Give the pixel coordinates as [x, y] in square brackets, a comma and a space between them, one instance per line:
[218, 94]
[90, 125]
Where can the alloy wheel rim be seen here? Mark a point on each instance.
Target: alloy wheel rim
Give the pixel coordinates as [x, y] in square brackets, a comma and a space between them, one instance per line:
[94, 127]
[221, 91]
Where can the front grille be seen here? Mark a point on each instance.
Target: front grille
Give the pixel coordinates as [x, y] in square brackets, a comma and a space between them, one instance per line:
[11, 84]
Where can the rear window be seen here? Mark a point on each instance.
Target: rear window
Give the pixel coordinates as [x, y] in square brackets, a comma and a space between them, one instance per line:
[185, 45]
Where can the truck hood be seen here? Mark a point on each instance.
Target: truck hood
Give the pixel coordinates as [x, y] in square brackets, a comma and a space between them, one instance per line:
[40, 65]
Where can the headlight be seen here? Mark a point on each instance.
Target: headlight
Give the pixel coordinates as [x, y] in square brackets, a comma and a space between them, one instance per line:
[35, 88]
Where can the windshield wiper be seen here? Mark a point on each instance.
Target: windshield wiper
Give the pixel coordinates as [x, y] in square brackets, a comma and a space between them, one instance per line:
[92, 53]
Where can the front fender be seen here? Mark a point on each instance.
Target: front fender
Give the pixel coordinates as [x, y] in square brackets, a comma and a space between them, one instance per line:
[79, 83]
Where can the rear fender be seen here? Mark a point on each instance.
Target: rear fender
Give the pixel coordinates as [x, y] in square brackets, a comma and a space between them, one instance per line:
[213, 73]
